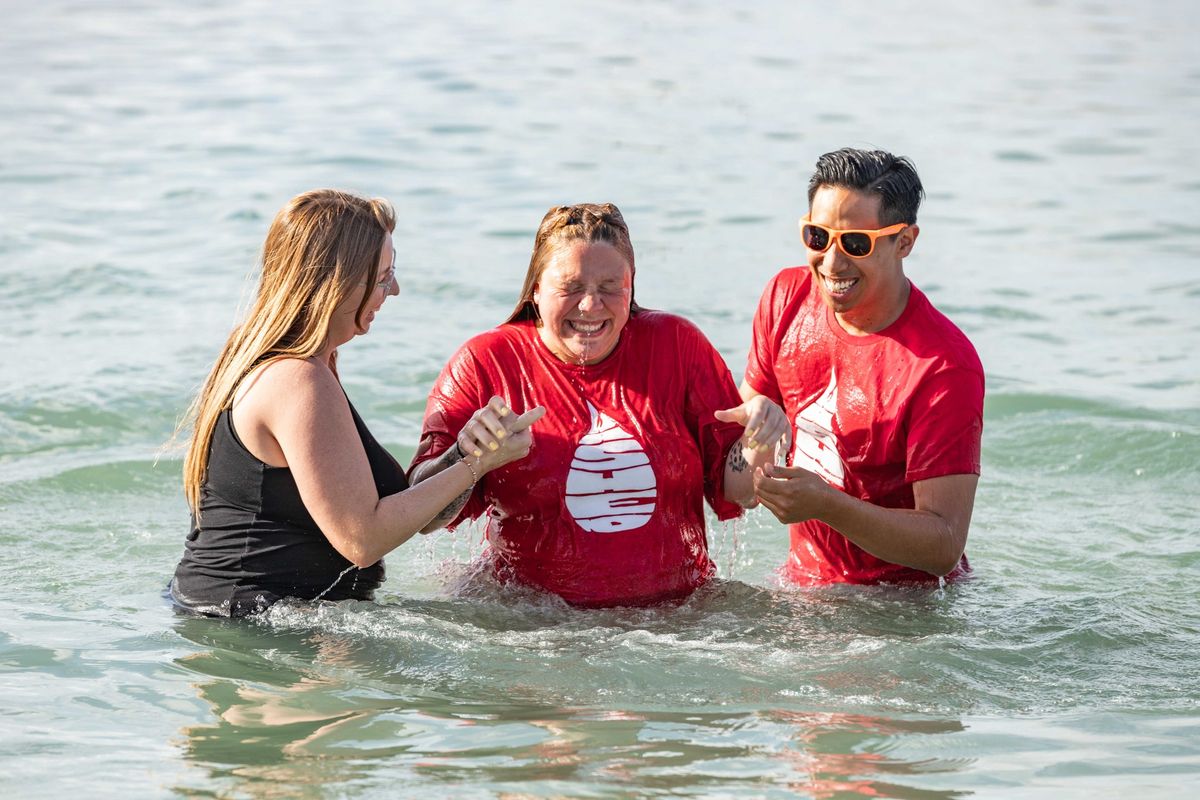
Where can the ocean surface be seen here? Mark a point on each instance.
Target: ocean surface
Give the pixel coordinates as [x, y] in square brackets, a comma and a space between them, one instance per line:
[144, 147]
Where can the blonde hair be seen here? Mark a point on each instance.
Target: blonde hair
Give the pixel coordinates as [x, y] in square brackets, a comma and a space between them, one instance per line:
[583, 222]
[320, 248]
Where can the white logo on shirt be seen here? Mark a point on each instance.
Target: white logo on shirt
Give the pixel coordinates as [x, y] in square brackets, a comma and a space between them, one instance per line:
[611, 486]
[815, 447]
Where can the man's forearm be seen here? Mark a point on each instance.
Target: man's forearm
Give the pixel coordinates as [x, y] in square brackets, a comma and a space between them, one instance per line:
[919, 539]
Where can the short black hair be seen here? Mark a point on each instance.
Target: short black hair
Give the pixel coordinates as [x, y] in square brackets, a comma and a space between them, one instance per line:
[893, 178]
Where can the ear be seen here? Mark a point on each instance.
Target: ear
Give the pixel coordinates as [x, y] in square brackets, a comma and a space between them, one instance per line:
[906, 240]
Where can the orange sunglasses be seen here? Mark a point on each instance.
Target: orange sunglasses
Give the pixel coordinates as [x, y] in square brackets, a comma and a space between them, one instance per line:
[856, 244]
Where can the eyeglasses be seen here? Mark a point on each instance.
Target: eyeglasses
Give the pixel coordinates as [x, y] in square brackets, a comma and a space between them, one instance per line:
[854, 243]
[386, 282]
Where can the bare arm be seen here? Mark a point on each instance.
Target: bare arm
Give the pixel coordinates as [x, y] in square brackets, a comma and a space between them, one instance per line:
[930, 537]
[302, 406]
[428, 469]
[487, 431]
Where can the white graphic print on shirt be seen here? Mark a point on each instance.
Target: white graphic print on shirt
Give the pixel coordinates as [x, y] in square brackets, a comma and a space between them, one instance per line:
[815, 446]
[611, 486]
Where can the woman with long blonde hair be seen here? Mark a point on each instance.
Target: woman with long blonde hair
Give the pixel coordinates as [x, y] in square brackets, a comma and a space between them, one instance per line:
[290, 494]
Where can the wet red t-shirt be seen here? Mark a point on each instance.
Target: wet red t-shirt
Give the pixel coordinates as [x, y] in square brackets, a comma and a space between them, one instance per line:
[872, 414]
[608, 507]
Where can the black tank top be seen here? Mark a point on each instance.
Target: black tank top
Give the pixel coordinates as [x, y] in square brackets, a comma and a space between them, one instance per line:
[256, 542]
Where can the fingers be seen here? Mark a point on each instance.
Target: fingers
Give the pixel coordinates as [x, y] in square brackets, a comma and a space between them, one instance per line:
[774, 507]
[497, 435]
[515, 447]
[491, 416]
[467, 444]
[774, 495]
[478, 436]
[764, 421]
[771, 481]
[749, 415]
[772, 427]
[528, 418]
[498, 406]
[486, 429]
[783, 473]
[520, 437]
[757, 414]
[770, 489]
[736, 414]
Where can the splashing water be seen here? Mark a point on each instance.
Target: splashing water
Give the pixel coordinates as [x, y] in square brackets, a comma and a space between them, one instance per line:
[429, 555]
[729, 545]
[329, 588]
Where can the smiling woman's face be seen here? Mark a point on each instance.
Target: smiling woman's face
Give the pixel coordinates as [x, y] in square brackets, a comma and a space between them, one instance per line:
[346, 322]
[583, 298]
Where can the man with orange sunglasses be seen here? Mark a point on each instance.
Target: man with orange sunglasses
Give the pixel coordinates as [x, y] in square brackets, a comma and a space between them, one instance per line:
[884, 392]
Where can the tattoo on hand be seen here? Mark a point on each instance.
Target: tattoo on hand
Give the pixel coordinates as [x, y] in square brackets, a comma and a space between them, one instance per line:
[452, 455]
[737, 461]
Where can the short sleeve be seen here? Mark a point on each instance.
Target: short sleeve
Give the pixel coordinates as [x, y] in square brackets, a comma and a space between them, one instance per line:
[945, 425]
[760, 364]
[710, 387]
[455, 397]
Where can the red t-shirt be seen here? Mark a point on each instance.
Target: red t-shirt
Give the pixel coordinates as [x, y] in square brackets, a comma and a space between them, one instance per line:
[872, 414]
[608, 507]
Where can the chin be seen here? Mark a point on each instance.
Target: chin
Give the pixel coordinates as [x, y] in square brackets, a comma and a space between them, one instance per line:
[595, 352]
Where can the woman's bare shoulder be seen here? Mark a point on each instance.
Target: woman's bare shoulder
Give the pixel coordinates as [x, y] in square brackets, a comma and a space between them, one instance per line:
[289, 380]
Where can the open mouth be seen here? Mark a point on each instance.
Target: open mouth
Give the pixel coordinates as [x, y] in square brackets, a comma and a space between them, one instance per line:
[839, 286]
[587, 329]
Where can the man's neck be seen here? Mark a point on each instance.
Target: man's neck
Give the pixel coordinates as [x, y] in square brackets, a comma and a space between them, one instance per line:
[862, 322]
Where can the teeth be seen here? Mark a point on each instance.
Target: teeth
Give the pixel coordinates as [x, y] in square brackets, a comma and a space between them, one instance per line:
[587, 327]
[837, 287]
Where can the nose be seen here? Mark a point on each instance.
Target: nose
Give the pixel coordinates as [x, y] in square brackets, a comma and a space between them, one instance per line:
[834, 260]
[393, 287]
[589, 301]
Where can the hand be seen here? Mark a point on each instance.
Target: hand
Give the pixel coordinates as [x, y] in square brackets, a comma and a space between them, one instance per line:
[496, 436]
[766, 426]
[517, 442]
[485, 430]
[792, 494]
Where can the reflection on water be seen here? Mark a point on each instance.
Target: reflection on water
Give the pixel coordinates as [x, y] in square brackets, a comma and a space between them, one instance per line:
[297, 710]
[850, 753]
[831, 692]
[258, 725]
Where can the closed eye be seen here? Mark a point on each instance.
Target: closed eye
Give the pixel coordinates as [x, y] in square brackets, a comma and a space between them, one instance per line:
[609, 288]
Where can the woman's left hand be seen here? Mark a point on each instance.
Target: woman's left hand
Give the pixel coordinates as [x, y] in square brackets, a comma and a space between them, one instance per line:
[765, 423]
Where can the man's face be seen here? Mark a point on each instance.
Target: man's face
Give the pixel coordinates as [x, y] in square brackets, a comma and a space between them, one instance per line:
[867, 293]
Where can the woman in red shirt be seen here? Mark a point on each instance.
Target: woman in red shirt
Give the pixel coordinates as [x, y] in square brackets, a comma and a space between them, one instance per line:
[643, 424]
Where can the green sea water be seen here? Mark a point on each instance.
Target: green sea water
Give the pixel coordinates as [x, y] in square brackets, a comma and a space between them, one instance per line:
[144, 149]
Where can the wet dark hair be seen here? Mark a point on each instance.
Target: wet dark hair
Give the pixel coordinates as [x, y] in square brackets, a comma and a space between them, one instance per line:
[893, 178]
